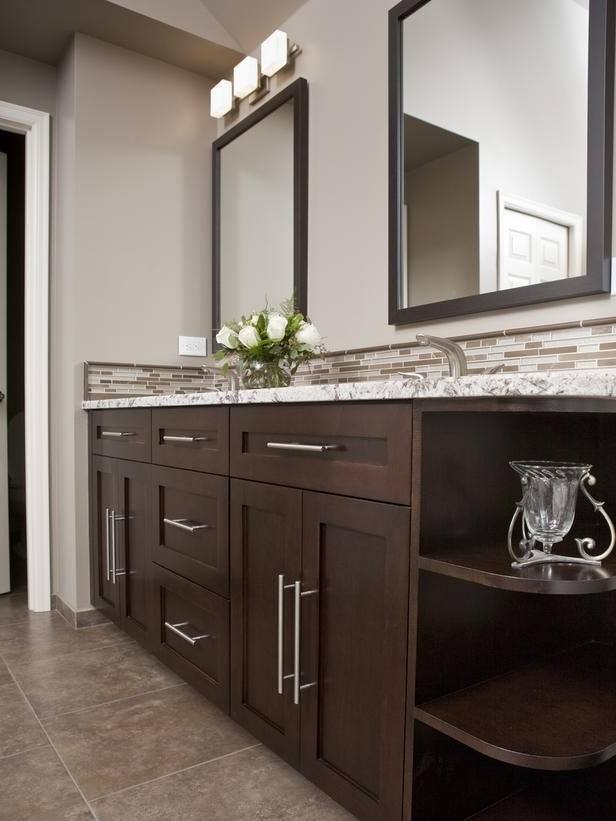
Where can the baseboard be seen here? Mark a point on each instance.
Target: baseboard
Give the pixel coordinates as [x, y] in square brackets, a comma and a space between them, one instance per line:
[77, 618]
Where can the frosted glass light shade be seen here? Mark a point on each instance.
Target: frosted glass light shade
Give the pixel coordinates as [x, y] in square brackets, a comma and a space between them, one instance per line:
[221, 99]
[246, 77]
[274, 53]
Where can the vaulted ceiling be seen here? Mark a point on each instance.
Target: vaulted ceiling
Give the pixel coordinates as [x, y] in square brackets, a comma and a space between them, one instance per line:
[250, 21]
[206, 36]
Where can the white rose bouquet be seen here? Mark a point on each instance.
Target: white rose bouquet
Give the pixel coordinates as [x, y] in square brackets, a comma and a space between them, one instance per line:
[269, 346]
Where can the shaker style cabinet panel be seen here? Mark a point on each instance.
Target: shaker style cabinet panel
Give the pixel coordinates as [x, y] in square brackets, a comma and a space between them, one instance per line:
[190, 633]
[191, 526]
[133, 524]
[191, 438]
[103, 494]
[354, 644]
[361, 449]
[265, 558]
[120, 512]
[123, 434]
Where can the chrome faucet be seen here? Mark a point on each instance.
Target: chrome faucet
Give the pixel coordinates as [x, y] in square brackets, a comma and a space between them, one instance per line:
[456, 358]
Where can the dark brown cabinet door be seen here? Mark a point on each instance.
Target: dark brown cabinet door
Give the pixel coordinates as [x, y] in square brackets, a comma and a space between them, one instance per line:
[190, 633]
[103, 490]
[353, 659]
[265, 545]
[191, 526]
[133, 519]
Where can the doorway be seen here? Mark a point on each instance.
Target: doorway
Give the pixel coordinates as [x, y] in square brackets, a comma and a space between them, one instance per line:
[13, 548]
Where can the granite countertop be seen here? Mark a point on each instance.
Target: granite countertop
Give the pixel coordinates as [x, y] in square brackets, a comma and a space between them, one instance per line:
[589, 383]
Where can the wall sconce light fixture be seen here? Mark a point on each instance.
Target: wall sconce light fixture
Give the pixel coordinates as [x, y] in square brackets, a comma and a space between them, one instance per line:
[246, 77]
[276, 53]
[221, 99]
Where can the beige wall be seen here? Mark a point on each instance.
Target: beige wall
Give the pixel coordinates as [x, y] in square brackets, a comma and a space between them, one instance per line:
[27, 82]
[132, 248]
[345, 62]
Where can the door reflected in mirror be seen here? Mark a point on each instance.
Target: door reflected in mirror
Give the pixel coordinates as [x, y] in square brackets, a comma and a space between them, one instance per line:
[495, 122]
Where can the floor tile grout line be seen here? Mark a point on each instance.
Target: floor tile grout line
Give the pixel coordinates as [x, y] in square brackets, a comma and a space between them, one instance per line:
[26, 750]
[175, 772]
[113, 701]
[128, 642]
[53, 747]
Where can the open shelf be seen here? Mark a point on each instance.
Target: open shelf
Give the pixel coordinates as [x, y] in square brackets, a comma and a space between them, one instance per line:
[490, 565]
[559, 714]
[539, 804]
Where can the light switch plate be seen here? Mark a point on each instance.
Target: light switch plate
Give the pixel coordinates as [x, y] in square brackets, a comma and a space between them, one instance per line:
[192, 346]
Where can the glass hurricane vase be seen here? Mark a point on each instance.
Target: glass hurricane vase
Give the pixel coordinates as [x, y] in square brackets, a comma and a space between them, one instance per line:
[259, 374]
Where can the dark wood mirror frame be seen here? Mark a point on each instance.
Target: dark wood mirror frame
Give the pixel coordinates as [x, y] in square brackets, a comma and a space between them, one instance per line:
[599, 199]
[298, 92]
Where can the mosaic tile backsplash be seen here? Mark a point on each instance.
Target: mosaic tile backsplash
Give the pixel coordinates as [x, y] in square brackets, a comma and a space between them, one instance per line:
[586, 344]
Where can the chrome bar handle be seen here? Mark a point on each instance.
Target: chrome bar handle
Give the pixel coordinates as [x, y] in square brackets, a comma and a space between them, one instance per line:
[168, 437]
[117, 434]
[280, 633]
[113, 546]
[181, 525]
[107, 542]
[192, 640]
[297, 629]
[303, 448]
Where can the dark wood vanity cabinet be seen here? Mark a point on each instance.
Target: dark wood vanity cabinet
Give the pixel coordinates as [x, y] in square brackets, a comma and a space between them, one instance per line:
[350, 599]
[248, 573]
[120, 527]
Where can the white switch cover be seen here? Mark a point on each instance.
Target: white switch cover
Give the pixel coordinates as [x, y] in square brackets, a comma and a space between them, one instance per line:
[192, 346]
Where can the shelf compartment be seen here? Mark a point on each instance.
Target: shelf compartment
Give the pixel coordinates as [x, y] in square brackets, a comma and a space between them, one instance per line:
[490, 566]
[559, 714]
[541, 804]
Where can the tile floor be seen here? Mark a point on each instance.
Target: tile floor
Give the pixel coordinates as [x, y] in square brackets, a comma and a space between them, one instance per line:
[92, 726]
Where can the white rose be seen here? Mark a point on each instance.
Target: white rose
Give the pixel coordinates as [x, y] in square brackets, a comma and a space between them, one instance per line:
[249, 337]
[227, 337]
[308, 335]
[276, 326]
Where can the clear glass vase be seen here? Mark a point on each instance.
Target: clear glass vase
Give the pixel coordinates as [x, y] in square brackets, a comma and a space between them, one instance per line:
[550, 496]
[256, 374]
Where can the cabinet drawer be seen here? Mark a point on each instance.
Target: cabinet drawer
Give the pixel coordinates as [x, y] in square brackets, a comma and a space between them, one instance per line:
[124, 434]
[191, 527]
[191, 633]
[350, 449]
[193, 438]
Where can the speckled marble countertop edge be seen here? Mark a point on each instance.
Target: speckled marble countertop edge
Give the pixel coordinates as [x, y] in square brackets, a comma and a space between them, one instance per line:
[590, 384]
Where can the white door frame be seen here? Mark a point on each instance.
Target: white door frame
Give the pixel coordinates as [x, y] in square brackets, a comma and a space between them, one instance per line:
[575, 223]
[35, 126]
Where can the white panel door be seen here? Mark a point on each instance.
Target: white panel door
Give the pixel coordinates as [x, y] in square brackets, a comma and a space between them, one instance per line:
[535, 250]
[5, 573]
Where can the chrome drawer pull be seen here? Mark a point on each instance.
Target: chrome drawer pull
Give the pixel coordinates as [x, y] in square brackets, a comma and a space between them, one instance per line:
[297, 446]
[192, 640]
[117, 434]
[168, 437]
[113, 546]
[181, 524]
[297, 630]
[107, 543]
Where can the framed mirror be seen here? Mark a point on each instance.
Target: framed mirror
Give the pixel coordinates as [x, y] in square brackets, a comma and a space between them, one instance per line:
[500, 170]
[260, 209]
